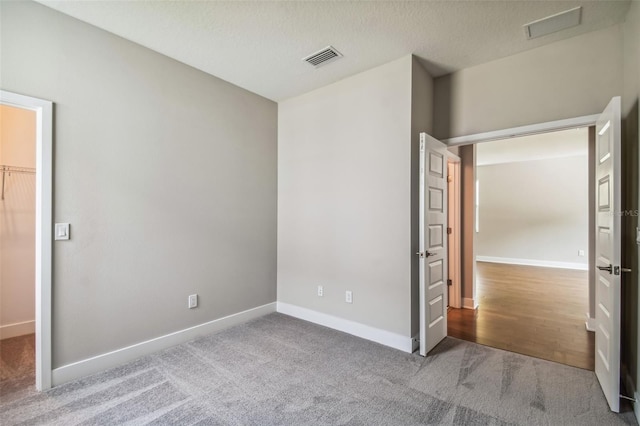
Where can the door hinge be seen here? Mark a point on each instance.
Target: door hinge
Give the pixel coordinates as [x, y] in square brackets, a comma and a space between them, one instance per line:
[449, 282]
[449, 230]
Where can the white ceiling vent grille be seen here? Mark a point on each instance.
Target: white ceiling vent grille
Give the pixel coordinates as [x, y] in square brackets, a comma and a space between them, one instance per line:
[551, 24]
[323, 57]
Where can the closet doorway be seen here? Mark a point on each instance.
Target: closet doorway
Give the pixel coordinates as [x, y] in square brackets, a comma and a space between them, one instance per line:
[17, 248]
[25, 242]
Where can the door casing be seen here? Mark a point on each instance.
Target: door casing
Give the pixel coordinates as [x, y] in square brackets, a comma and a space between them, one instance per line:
[455, 223]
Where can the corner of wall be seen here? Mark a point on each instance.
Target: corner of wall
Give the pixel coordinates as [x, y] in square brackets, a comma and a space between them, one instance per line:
[422, 102]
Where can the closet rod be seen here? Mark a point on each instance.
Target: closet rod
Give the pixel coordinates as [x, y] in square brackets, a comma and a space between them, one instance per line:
[11, 169]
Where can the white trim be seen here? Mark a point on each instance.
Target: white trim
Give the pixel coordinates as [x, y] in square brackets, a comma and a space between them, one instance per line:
[532, 129]
[17, 329]
[533, 262]
[112, 359]
[455, 261]
[44, 220]
[468, 303]
[454, 158]
[387, 338]
[590, 323]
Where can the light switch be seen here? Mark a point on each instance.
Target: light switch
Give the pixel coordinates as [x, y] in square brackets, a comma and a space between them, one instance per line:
[638, 235]
[61, 231]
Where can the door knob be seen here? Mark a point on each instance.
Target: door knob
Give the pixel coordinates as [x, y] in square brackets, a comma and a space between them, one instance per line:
[427, 254]
[606, 268]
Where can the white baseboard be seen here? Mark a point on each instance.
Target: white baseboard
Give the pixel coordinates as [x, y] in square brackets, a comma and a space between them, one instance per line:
[17, 329]
[387, 338]
[468, 303]
[533, 262]
[590, 324]
[118, 357]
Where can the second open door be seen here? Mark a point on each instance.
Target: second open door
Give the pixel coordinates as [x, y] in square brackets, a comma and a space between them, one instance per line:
[432, 251]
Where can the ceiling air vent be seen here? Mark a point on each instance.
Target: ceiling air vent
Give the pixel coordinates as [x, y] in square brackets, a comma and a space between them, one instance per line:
[322, 57]
[551, 24]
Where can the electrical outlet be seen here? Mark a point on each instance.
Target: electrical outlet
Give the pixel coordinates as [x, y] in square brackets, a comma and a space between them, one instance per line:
[193, 301]
[348, 296]
[320, 291]
[580, 252]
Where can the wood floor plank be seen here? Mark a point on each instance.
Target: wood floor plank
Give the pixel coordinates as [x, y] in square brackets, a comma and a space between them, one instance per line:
[529, 310]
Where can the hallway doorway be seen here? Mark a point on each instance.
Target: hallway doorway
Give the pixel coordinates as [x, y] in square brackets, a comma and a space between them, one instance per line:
[532, 241]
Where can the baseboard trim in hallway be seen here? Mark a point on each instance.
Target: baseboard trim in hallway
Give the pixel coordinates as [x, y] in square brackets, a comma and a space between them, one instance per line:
[533, 262]
[118, 357]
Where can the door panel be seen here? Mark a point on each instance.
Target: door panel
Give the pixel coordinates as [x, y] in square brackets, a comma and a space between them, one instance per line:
[433, 243]
[608, 253]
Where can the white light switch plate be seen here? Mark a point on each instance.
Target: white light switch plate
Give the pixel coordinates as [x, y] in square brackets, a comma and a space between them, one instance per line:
[638, 235]
[61, 231]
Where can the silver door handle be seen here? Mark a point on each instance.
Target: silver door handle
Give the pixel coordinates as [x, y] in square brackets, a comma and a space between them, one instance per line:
[606, 268]
[625, 269]
[425, 254]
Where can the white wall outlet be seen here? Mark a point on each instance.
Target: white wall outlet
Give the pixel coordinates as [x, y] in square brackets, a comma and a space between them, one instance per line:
[61, 231]
[193, 301]
[348, 296]
[580, 252]
[320, 291]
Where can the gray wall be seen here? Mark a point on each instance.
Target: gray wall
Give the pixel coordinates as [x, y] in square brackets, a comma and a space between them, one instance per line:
[535, 210]
[631, 191]
[570, 78]
[166, 174]
[344, 198]
[468, 206]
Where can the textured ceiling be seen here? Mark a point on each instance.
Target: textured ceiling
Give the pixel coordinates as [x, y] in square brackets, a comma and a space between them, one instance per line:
[565, 143]
[259, 45]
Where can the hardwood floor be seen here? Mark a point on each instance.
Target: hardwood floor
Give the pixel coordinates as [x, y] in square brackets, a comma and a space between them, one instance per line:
[529, 310]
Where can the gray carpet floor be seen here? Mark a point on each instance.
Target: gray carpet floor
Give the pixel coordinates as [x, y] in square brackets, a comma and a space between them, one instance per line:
[279, 370]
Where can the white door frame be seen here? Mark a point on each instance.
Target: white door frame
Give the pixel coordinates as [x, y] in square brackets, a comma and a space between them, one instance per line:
[455, 247]
[533, 129]
[44, 220]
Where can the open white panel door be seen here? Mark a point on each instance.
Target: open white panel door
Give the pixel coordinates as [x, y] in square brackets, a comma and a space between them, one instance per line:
[608, 253]
[432, 242]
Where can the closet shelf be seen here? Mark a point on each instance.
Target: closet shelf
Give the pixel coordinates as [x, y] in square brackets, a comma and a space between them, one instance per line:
[12, 169]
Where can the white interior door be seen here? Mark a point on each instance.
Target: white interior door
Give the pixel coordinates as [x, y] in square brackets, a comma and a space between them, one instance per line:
[432, 249]
[608, 247]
